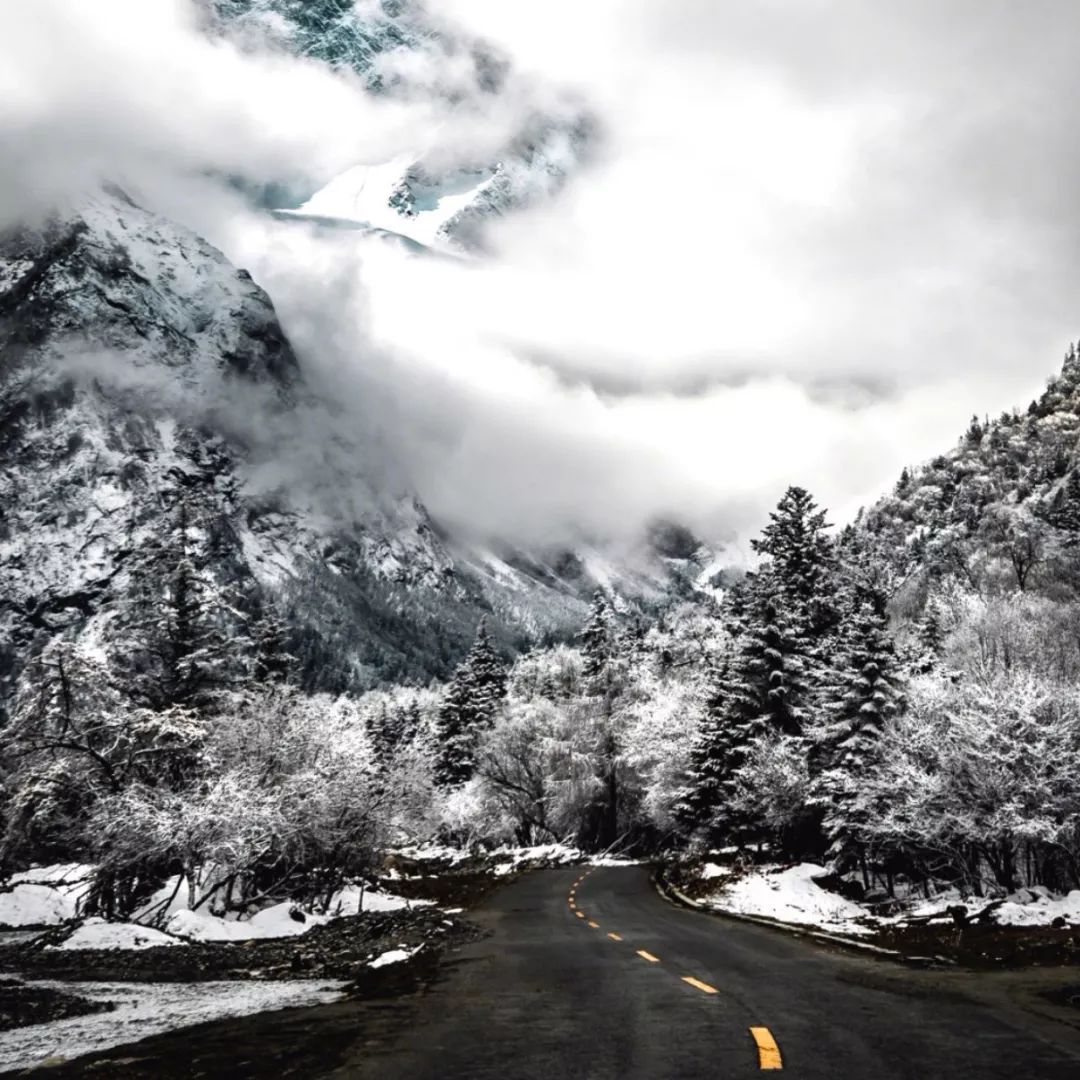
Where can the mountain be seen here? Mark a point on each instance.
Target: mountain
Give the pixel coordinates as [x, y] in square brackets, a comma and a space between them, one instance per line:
[141, 371]
[436, 195]
[143, 378]
[1006, 498]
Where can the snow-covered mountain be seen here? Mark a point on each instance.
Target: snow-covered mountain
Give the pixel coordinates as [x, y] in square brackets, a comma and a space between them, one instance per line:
[140, 371]
[437, 195]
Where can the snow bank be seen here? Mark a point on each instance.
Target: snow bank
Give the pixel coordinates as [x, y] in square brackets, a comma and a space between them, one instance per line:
[45, 895]
[98, 934]
[144, 1009]
[280, 920]
[1039, 909]
[394, 956]
[1036, 906]
[791, 896]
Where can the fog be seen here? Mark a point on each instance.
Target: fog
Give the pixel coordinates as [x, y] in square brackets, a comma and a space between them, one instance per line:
[811, 239]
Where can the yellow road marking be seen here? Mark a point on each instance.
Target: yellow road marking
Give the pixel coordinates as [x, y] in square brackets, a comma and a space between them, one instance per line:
[594, 925]
[705, 987]
[580, 914]
[648, 956]
[614, 937]
[768, 1051]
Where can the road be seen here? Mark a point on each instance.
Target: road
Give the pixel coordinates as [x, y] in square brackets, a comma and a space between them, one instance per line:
[598, 977]
[591, 975]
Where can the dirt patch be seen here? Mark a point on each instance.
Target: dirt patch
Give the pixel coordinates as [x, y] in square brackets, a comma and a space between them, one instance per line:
[21, 1006]
[985, 947]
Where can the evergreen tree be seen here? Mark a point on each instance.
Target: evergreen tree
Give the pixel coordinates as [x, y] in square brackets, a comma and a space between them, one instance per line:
[386, 729]
[974, 432]
[846, 746]
[717, 752]
[178, 652]
[803, 559]
[929, 638]
[474, 695]
[1064, 510]
[598, 636]
[269, 643]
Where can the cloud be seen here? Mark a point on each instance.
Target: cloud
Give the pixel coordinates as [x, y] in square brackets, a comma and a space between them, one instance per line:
[814, 237]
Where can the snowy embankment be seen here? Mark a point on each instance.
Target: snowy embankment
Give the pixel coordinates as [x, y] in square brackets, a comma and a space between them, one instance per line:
[44, 896]
[792, 894]
[51, 896]
[144, 1009]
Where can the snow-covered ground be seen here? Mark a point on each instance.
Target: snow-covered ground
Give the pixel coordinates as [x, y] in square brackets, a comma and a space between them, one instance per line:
[51, 895]
[394, 956]
[363, 194]
[791, 895]
[144, 1009]
[45, 896]
[788, 895]
[99, 934]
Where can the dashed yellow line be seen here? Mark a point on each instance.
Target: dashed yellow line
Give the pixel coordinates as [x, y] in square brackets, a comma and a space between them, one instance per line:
[614, 937]
[768, 1051]
[704, 987]
[594, 925]
[648, 956]
[580, 914]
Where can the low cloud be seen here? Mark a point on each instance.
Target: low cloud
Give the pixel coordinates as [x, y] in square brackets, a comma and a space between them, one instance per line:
[813, 239]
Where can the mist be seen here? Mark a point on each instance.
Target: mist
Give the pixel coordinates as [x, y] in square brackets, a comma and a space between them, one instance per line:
[802, 250]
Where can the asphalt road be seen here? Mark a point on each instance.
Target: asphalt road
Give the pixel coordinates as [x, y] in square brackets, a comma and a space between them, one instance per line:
[598, 977]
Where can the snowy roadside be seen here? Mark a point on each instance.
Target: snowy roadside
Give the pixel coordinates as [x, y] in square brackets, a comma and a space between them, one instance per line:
[140, 1010]
[75, 985]
[1029, 926]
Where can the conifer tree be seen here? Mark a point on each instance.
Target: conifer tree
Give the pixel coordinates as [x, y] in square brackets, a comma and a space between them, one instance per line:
[714, 757]
[598, 636]
[868, 693]
[474, 695]
[803, 559]
[178, 653]
[269, 641]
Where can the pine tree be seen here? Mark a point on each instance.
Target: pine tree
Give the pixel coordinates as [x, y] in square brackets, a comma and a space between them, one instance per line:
[716, 754]
[974, 432]
[803, 559]
[272, 661]
[929, 638]
[1064, 510]
[473, 697]
[845, 750]
[178, 651]
[598, 636]
[387, 731]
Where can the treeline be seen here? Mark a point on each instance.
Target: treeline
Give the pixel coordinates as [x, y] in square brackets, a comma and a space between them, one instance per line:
[898, 700]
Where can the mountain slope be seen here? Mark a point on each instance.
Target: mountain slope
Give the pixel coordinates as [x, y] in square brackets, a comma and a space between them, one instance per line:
[1009, 493]
[140, 371]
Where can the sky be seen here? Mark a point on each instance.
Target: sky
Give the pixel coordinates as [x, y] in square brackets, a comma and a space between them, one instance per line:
[813, 237]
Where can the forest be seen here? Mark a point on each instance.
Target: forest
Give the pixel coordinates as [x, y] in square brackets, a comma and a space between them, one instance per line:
[896, 699]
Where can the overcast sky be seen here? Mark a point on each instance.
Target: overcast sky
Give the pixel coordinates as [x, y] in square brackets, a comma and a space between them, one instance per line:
[817, 236]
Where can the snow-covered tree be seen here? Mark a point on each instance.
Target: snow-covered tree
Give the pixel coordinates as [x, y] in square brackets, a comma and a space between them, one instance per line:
[472, 698]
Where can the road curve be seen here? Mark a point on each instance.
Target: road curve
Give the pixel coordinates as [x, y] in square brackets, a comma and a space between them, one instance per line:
[590, 974]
